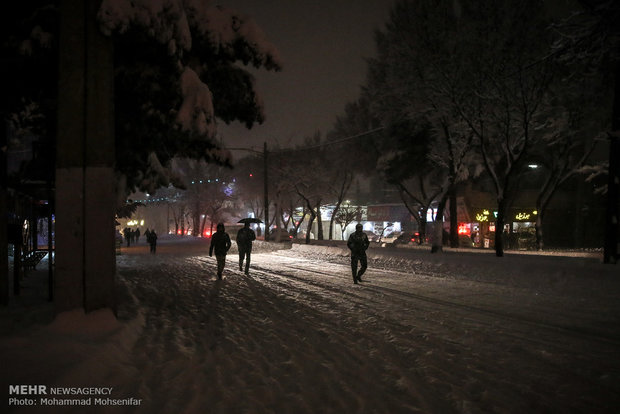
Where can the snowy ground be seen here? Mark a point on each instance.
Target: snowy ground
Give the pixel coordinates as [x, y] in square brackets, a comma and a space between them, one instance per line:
[457, 332]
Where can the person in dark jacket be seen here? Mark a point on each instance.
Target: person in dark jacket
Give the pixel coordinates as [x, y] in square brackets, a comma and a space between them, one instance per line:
[245, 237]
[127, 234]
[152, 239]
[358, 243]
[220, 242]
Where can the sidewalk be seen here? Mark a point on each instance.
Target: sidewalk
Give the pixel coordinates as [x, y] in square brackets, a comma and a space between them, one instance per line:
[32, 306]
[586, 253]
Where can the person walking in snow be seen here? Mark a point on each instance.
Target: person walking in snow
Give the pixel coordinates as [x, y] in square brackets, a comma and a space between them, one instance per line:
[152, 240]
[220, 242]
[358, 243]
[127, 234]
[245, 237]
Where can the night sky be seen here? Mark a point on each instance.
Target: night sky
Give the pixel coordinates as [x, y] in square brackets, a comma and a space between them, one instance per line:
[323, 45]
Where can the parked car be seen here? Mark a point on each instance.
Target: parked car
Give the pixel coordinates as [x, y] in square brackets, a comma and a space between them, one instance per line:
[279, 235]
[390, 237]
[301, 234]
[371, 236]
[408, 237]
[465, 241]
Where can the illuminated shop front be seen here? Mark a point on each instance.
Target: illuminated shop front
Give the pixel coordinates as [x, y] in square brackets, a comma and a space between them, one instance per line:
[481, 231]
[523, 232]
[519, 230]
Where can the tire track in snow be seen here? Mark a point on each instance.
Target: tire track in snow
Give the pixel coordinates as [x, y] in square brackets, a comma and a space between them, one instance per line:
[538, 355]
[328, 340]
[353, 338]
[345, 336]
[575, 331]
[330, 343]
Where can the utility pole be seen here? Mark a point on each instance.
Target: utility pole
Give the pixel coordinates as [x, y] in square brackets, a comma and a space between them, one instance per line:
[265, 182]
[266, 192]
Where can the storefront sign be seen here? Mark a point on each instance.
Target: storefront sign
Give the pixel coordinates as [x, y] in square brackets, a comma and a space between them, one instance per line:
[483, 216]
[526, 216]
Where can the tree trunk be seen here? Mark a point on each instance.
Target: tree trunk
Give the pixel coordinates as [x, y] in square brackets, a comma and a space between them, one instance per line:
[331, 221]
[297, 225]
[539, 230]
[196, 216]
[422, 229]
[499, 228]
[203, 222]
[195, 225]
[319, 222]
[438, 227]
[312, 216]
[454, 220]
[541, 205]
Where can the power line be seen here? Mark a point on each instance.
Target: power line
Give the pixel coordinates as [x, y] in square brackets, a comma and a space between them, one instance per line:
[349, 138]
[338, 141]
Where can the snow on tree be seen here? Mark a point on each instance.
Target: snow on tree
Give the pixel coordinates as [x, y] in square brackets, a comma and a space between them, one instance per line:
[506, 89]
[414, 81]
[590, 36]
[177, 73]
[178, 69]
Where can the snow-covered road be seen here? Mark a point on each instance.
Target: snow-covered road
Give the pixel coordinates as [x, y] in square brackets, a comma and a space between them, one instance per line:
[297, 335]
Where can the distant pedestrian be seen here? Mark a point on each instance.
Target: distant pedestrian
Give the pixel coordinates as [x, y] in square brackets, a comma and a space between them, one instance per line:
[358, 243]
[152, 240]
[220, 242]
[137, 235]
[245, 237]
[127, 234]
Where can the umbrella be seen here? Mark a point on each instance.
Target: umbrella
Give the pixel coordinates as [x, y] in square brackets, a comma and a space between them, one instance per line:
[249, 220]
